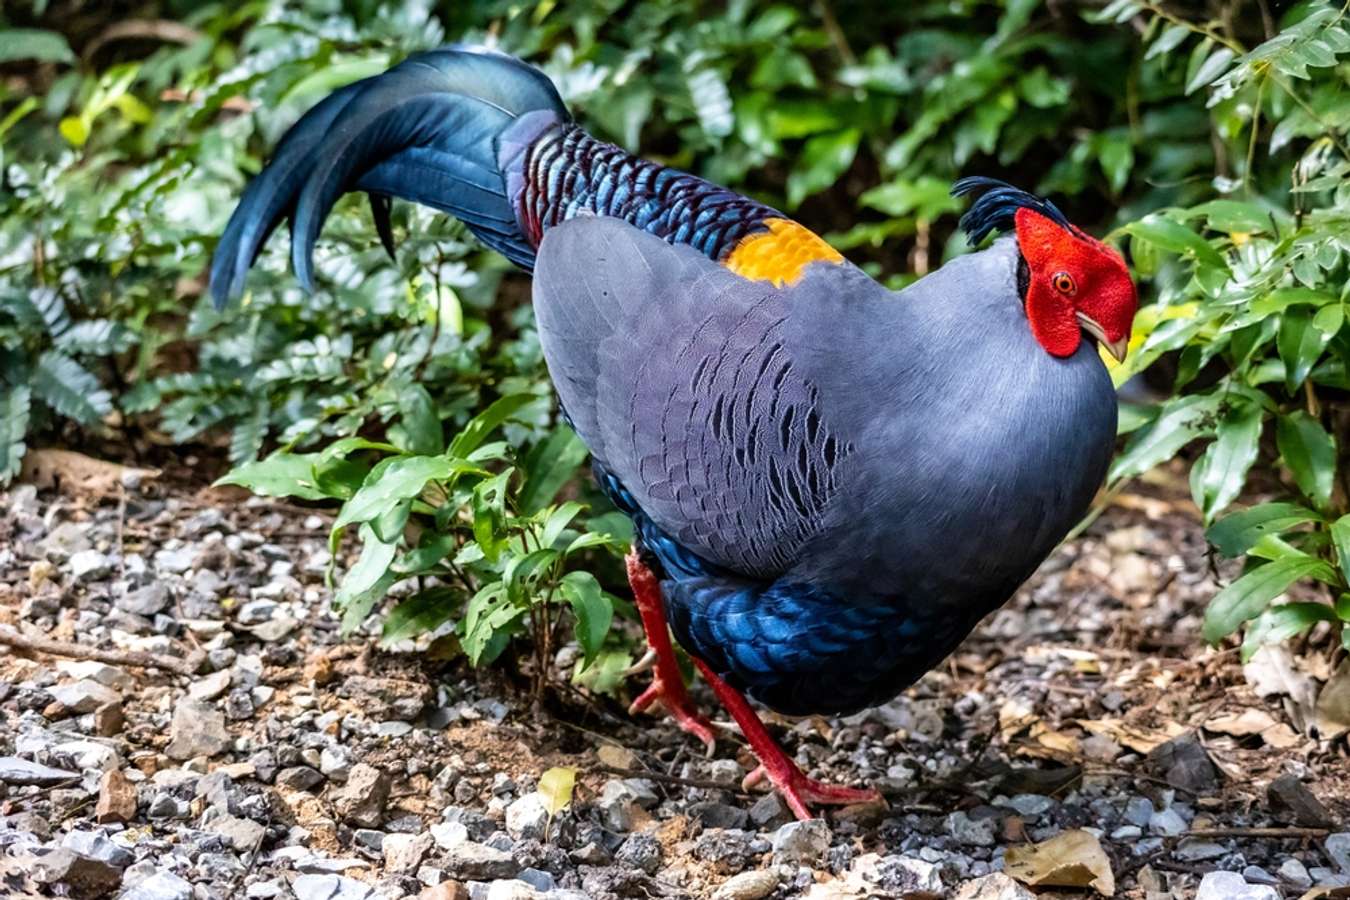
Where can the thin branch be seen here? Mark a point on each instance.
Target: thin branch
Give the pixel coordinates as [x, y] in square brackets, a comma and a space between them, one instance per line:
[133, 658]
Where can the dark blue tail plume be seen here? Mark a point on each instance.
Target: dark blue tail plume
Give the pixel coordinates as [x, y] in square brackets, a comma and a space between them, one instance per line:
[426, 131]
[995, 209]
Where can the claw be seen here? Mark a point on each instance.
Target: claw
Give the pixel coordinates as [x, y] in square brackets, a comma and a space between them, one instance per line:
[642, 665]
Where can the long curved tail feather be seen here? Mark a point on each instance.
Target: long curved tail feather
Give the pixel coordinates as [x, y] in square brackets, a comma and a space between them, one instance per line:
[427, 130]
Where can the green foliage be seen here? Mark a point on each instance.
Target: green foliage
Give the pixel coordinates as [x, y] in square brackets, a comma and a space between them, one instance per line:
[448, 533]
[1251, 293]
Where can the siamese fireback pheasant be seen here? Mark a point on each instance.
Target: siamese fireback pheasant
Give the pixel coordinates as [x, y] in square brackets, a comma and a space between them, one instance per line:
[830, 482]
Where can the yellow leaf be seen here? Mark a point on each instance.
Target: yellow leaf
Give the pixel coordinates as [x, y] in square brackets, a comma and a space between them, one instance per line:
[74, 130]
[1072, 859]
[555, 786]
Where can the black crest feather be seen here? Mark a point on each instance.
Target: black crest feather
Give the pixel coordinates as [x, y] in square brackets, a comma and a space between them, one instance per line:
[996, 206]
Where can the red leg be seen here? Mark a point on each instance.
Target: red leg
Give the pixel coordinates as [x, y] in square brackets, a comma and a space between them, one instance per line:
[667, 682]
[791, 783]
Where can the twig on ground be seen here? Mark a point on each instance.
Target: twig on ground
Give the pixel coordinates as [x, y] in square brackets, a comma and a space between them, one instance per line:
[1291, 833]
[703, 783]
[133, 658]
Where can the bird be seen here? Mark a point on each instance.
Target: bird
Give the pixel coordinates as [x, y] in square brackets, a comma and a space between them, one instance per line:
[830, 482]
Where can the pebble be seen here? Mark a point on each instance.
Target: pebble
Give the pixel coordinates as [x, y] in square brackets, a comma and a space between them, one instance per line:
[403, 853]
[197, 729]
[361, 800]
[83, 875]
[1232, 886]
[116, 799]
[527, 817]
[801, 842]
[468, 859]
[299, 778]
[22, 772]
[1336, 845]
[641, 851]
[972, 832]
[84, 696]
[98, 846]
[1167, 822]
[993, 887]
[146, 601]
[211, 686]
[329, 887]
[162, 885]
[89, 565]
[1292, 872]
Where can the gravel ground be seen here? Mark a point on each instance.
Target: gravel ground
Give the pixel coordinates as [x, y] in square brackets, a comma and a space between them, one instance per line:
[1083, 740]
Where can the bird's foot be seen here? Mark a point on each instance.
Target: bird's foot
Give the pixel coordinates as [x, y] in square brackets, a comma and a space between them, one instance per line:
[774, 764]
[675, 699]
[667, 682]
[799, 792]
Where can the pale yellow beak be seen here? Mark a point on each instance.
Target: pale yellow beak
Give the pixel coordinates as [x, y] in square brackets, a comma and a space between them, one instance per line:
[1117, 349]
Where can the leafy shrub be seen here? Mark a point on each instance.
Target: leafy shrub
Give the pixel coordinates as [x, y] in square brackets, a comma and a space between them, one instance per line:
[1252, 290]
[472, 530]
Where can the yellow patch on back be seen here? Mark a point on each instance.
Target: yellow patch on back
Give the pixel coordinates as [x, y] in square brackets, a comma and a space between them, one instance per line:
[780, 254]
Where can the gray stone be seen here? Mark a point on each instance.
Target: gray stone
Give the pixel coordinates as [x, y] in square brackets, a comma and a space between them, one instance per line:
[618, 806]
[1183, 763]
[727, 850]
[471, 860]
[1293, 873]
[972, 832]
[527, 818]
[22, 772]
[1138, 811]
[89, 565]
[210, 686]
[1291, 801]
[146, 601]
[369, 841]
[84, 696]
[1031, 806]
[641, 851]
[256, 612]
[1193, 850]
[769, 811]
[361, 800]
[1232, 886]
[98, 846]
[83, 875]
[993, 887]
[162, 885]
[65, 540]
[908, 878]
[197, 729]
[243, 835]
[329, 887]
[403, 853]
[508, 889]
[175, 561]
[719, 815]
[299, 778]
[538, 879]
[449, 834]
[1338, 850]
[335, 763]
[801, 842]
[1167, 822]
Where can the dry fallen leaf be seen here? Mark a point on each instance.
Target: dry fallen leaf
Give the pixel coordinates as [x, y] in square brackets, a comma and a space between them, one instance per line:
[1333, 705]
[555, 787]
[1254, 721]
[1272, 672]
[1136, 737]
[1072, 859]
[79, 474]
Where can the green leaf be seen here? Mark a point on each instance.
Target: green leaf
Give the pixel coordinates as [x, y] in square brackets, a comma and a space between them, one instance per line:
[14, 406]
[95, 337]
[1235, 534]
[824, 158]
[1248, 597]
[392, 481]
[69, 388]
[480, 426]
[1340, 538]
[367, 581]
[421, 425]
[246, 438]
[1217, 478]
[1174, 237]
[712, 102]
[557, 520]
[590, 608]
[1280, 623]
[1310, 454]
[1209, 71]
[419, 614]
[34, 44]
[1300, 345]
[1179, 422]
[548, 466]
[279, 475]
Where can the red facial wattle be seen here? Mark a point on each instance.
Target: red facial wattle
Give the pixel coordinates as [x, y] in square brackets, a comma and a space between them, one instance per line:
[1076, 283]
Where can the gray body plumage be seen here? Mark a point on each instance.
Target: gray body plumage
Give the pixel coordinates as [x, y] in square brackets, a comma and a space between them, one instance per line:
[897, 457]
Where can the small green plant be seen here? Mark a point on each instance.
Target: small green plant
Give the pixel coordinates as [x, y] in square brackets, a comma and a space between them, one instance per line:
[1252, 293]
[470, 528]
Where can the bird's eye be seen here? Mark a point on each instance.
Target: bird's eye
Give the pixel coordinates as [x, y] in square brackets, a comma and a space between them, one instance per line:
[1064, 283]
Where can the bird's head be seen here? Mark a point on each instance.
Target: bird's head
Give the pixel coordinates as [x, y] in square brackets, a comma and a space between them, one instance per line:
[1070, 282]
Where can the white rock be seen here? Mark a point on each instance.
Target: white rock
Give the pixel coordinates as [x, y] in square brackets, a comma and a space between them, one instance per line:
[163, 885]
[1232, 886]
[89, 565]
[210, 686]
[403, 853]
[449, 834]
[329, 887]
[527, 818]
[993, 887]
[84, 696]
[801, 842]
